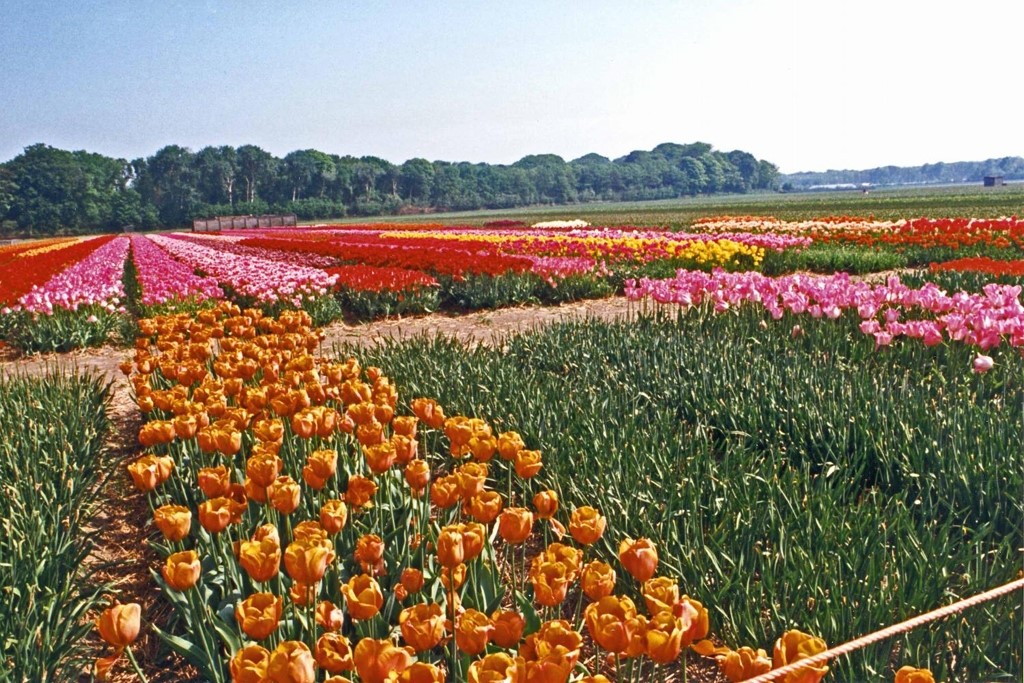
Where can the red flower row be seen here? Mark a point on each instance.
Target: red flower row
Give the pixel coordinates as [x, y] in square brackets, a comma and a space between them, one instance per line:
[983, 264]
[372, 279]
[19, 276]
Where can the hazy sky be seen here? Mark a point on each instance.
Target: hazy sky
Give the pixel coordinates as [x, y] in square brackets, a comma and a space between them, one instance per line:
[807, 84]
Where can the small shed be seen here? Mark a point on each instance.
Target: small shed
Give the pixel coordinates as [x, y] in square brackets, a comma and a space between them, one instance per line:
[993, 181]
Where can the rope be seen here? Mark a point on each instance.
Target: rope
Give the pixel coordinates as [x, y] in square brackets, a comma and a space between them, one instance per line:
[896, 629]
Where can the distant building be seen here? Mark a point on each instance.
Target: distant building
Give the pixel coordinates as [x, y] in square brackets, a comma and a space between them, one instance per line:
[994, 181]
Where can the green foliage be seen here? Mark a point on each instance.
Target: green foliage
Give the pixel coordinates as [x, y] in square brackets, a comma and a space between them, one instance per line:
[832, 258]
[805, 482]
[61, 331]
[50, 465]
[366, 305]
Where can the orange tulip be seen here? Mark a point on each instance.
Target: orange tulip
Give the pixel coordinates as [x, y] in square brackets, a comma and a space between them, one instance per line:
[445, 492]
[320, 467]
[329, 616]
[405, 425]
[304, 424]
[292, 662]
[471, 478]
[555, 639]
[363, 596]
[302, 594]
[497, 667]
[412, 579]
[119, 624]
[660, 594]
[550, 583]
[694, 619]
[173, 521]
[528, 463]
[422, 626]
[793, 646]
[453, 576]
[215, 481]
[360, 491]
[587, 525]
[664, 637]
[334, 653]
[181, 570]
[546, 504]
[261, 559]
[515, 525]
[284, 494]
[474, 537]
[150, 471]
[369, 551]
[509, 445]
[380, 457]
[254, 491]
[376, 660]
[559, 552]
[185, 426]
[263, 468]
[371, 434]
[485, 506]
[744, 663]
[612, 622]
[406, 448]
[333, 516]
[156, 432]
[508, 628]
[259, 614]
[910, 674]
[422, 672]
[307, 561]
[450, 549]
[639, 557]
[417, 474]
[598, 580]
[472, 632]
[216, 514]
[249, 665]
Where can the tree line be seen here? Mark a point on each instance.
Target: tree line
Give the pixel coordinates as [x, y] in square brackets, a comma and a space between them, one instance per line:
[46, 191]
[1011, 168]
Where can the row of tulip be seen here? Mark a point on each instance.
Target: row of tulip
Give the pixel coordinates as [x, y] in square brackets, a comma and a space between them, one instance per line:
[34, 267]
[163, 279]
[982, 265]
[95, 281]
[417, 524]
[887, 311]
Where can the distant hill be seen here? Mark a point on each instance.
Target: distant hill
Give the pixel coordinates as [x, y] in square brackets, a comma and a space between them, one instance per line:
[1011, 168]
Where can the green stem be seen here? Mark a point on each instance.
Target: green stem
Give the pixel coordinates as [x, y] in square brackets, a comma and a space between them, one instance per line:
[135, 665]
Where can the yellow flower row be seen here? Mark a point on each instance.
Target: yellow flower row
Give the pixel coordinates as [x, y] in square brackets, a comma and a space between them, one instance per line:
[53, 245]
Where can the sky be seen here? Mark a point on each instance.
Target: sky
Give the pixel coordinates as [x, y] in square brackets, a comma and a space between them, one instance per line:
[809, 85]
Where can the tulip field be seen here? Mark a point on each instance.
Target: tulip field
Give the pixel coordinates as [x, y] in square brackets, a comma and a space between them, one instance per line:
[801, 432]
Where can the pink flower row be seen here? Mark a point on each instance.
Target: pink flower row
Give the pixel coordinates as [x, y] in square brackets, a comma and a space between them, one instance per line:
[228, 244]
[887, 311]
[163, 279]
[96, 280]
[263, 279]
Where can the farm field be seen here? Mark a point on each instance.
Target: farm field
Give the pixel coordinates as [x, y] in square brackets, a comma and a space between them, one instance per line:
[618, 450]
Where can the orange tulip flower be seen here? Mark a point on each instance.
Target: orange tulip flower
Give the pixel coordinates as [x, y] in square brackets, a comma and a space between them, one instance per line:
[369, 551]
[405, 425]
[249, 665]
[554, 639]
[515, 525]
[910, 674]
[508, 628]
[664, 637]
[546, 504]
[363, 596]
[263, 468]
[173, 521]
[333, 653]
[360, 491]
[292, 662]
[406, 448]
[453, 576]
[639, 557]
[333, 516]
[422, 672]
[660, 594]
[377, 660]
[119, 624]
[694, 618]
[329, 616]
[150, 471]
[471, 478]
[497, 667]
[598, 580]
[215, 515]
[417, 474]
[181, 570]
[422, 626]
[380, 457]
[744, 663]
[307, 561]
[451, 550]
[474, 537]
[215, 481]
[156, 432]
[472, 632]
[587, 525]
[445, 492]
[550, 583]
[320, 467]
[261, 559]
[509, 445]
[612, 622]
[485, 506]
[302, 594]
[528, 463]
[284, 494]
[259, 614]
[793, 646]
